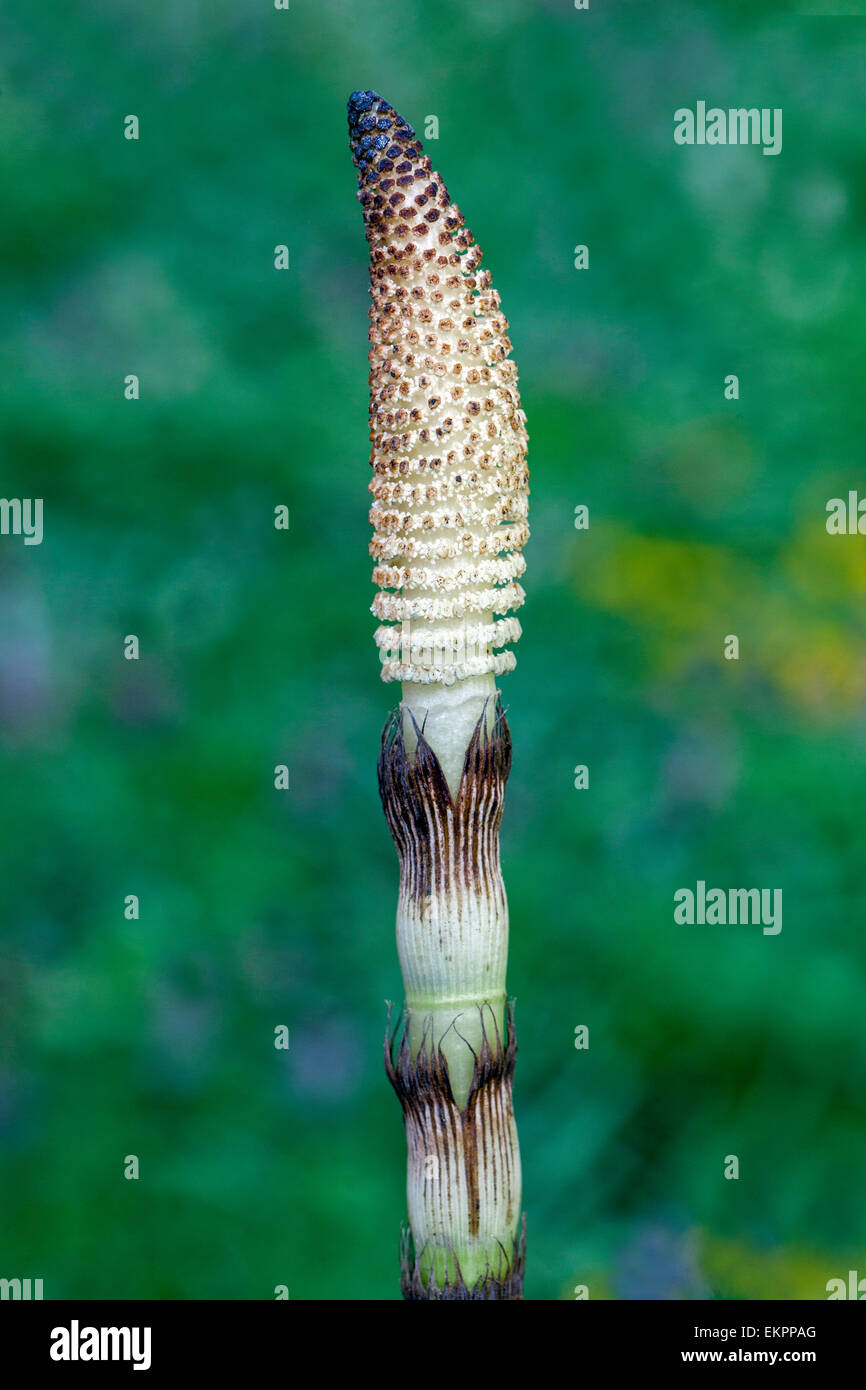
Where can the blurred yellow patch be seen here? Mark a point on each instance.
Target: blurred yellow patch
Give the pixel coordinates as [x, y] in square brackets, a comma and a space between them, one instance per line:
[826, 567]
[675, 582]
[737, 1270]
[795, 618]
[824, 672]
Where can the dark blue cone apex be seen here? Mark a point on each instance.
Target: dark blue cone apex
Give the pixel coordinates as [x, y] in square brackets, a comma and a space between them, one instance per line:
[378, 135]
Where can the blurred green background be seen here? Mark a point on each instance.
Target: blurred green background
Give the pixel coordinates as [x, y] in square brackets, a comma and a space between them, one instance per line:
[260, 908]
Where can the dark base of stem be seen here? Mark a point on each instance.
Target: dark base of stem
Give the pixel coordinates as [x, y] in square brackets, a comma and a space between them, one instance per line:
[501, 1285]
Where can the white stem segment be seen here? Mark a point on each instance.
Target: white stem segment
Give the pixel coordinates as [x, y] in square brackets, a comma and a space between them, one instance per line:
[453, 938]
[448, 715]
[464, 1182]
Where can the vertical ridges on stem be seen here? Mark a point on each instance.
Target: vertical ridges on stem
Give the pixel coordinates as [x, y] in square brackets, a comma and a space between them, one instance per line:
[464, 1167]
[453, 1065]
[452, 913]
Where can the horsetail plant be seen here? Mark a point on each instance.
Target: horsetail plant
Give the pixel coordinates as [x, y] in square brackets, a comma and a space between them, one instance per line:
[450, 502]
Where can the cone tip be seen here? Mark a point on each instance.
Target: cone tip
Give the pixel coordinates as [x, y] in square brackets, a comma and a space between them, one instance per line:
[374, 128]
